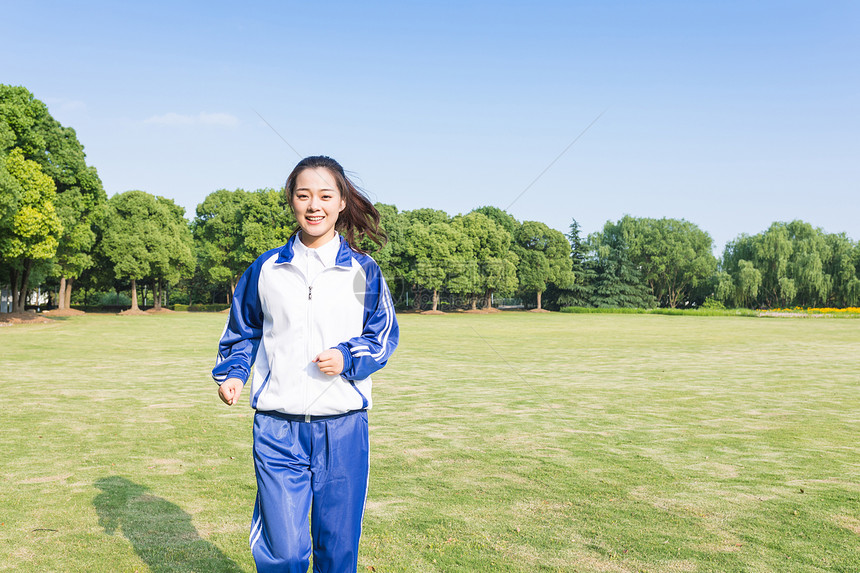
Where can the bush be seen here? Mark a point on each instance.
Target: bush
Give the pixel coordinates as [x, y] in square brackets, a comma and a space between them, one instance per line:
[713, 304]
[112, 299]
[218, 307]
[662, 311]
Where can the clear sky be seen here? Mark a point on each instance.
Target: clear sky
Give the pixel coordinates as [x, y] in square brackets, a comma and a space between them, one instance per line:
[729, 114]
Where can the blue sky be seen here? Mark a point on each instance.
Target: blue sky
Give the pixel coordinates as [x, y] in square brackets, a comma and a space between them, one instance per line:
[729, 114]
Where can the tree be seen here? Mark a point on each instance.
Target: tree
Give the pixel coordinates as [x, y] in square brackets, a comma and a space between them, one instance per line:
[173, 251]
[232, 228]
[843, 270]
[143, 238]
[34, 227]
[544, 254]
[487, 264]
[438, 251]
[25, 123]
[673, 255]
[618, 283]
[797, 264]
[579, 292]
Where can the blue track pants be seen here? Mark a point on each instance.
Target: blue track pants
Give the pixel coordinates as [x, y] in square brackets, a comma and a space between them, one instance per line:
[318, 467]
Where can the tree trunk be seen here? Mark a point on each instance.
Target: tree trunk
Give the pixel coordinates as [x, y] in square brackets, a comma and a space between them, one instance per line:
[488, 301]
[435, 299]
[19, 298]
[67, 296]
[233, 282]
[13, 285]
[134, 295]
[538, 299]
[156, 294]
[474, 301]
[61, 294]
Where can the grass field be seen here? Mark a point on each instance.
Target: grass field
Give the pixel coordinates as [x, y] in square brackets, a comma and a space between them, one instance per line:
[506, 442]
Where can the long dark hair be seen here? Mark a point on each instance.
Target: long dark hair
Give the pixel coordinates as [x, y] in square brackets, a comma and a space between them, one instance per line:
[359, 217]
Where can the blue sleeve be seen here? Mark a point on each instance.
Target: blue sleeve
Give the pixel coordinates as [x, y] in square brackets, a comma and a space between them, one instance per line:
[365, 354]
[238, 346]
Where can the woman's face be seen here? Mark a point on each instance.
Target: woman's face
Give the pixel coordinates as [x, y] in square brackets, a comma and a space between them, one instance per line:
[316, 202]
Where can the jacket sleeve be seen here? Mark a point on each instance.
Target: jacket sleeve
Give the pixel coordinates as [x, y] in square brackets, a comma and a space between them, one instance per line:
[237, 348]
[365, 354]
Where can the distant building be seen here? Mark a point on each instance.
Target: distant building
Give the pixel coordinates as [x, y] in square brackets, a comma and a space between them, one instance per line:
[5, 300]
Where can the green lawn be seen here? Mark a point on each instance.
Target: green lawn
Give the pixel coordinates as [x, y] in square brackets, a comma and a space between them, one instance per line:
[506, 442]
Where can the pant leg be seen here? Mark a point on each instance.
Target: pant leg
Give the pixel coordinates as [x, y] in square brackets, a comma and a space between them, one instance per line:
[339, 466]
[279, 530]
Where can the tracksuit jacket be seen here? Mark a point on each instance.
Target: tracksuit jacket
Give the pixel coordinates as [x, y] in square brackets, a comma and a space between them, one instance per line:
[279, 322]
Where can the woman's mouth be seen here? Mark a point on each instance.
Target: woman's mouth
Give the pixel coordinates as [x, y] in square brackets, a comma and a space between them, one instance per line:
[314, 218]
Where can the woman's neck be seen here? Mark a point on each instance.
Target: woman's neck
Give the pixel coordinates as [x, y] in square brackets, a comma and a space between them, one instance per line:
[316, 242]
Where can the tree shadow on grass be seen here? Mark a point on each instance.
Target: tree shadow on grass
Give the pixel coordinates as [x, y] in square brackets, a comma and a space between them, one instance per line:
[161, 533]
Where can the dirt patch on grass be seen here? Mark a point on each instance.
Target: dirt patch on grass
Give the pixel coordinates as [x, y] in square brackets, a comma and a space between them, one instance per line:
[64, 312]
[132, 312]
[850, 523]
[433, 312]
[538, 310]
[159, 311]
[8, 318]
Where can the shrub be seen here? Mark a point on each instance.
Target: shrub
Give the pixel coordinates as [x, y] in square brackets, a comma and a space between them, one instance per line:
[713, 304]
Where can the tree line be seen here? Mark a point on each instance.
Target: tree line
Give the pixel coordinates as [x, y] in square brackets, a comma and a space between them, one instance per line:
[59, 229]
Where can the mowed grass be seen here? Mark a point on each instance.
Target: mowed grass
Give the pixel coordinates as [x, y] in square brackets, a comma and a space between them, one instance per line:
[505, 442]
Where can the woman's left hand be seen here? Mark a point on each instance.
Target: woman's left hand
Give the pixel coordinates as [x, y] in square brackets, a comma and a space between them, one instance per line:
[330, 362]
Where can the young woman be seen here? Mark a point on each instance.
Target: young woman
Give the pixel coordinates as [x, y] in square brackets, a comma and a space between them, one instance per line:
[315, 318]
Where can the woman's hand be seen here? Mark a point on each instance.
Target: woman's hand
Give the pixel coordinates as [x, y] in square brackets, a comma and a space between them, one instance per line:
[330, 361]
[230, 390]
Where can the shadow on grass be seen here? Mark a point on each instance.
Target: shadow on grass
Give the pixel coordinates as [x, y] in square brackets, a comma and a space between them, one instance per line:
[161, 533]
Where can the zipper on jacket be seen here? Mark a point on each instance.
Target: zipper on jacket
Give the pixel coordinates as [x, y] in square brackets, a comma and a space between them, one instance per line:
[310, 290]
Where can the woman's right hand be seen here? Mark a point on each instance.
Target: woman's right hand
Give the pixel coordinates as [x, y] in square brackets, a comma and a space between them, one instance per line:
[230, 390]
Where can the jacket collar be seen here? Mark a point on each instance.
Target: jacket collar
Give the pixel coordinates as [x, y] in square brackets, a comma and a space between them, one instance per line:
[343, 259]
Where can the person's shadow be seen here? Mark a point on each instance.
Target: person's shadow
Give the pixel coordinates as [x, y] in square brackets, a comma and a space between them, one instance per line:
[161, 533]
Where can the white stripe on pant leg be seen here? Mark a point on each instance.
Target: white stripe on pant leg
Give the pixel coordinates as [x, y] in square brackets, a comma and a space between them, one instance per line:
[257, 525]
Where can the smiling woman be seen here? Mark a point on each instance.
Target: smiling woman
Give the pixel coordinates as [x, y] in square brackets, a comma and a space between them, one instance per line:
[346, 208]
[315, 319]
[316, 202]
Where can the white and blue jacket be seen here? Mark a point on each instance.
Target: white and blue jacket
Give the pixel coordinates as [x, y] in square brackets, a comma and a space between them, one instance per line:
[279, 322]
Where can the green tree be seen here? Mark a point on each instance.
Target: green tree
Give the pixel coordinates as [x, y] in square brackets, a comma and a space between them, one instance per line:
[674, 256]
[544, 256]
[843, 270]
[798, 265]
[25, 123]
[143, 238]
[393, 258]
[579, 292]
[486, 264]
[34, 227]
[172, 254]
[232, 228]
[618, 283]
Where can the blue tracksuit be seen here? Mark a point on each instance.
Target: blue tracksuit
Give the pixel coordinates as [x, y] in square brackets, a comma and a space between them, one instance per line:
[310, 430]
